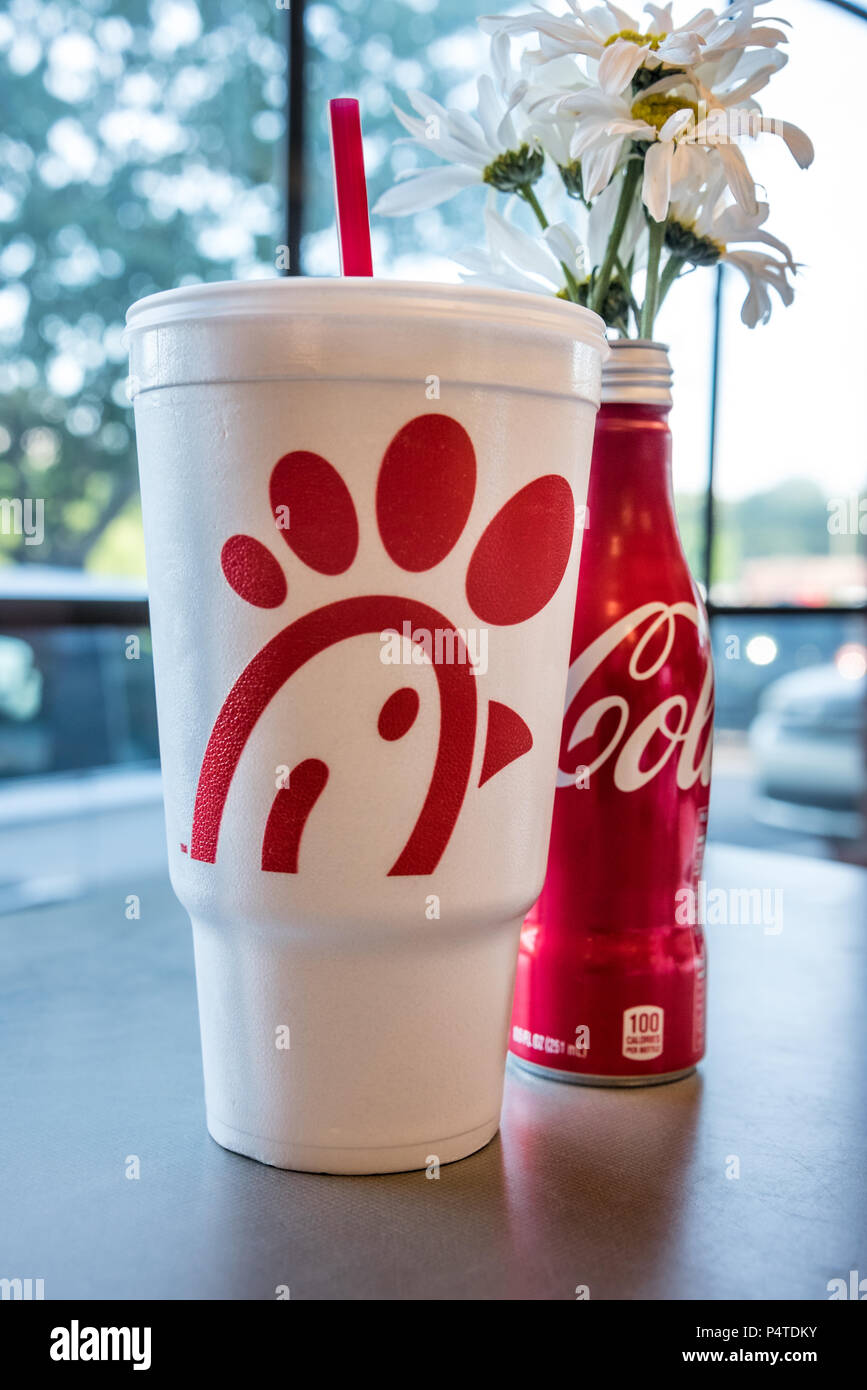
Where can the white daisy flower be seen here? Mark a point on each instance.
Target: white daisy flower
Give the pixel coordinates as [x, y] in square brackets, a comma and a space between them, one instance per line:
[763, 272]
[646, 122]
[725, 36]
[514, 258]
[496, 148]
[590, 32]
[700, 209]
[604, 123]
[704, 226]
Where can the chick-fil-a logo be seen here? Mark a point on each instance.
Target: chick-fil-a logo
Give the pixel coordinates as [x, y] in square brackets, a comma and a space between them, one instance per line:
[671, 719]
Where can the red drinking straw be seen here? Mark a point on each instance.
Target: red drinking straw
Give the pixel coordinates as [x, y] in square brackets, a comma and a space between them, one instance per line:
[350, 188]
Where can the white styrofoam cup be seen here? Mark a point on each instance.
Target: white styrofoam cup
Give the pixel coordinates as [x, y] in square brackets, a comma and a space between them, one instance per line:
[357, 812]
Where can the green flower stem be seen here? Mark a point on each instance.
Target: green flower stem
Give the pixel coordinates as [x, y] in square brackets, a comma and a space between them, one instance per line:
[529, 197]
[624, 207]
[667, 278]
[626, 281]
[651, 293]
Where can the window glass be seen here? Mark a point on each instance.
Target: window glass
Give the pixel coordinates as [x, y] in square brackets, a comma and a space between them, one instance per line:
[375, 52]
[73, 698]
[790, 510]
[789, 769]
[141, 146]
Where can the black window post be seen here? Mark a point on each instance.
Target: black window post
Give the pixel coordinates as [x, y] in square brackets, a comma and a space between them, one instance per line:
[295, 146]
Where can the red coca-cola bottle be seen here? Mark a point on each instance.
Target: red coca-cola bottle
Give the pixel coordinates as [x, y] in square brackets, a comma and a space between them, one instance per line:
[611, 972]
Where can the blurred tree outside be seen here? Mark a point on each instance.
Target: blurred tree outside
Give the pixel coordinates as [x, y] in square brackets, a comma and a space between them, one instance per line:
[142, 146]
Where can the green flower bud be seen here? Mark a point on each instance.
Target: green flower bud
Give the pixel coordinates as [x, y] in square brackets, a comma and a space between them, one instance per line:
[515, 169]
[573, 180]
[615, 310]
[686, 243]
[645, 77]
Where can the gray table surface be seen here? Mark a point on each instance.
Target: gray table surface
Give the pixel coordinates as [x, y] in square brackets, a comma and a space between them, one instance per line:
[625, 1192]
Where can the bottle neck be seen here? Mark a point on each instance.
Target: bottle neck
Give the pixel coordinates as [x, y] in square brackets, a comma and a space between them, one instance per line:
[631, 501]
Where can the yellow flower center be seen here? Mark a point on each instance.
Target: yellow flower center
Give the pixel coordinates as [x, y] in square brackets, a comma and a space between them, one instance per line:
[632, 36]
[656, 108]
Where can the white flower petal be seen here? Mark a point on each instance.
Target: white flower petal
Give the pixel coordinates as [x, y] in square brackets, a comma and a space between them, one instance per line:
[501, 56]
[470, 134]
[426, 106]
[562, 242]
[662, 21]
[639, 130]
[553, 138]
[598, 166]
[656, 187]
[667, 82]
[753, 82]
[733, 224]
[762, 272]
[683, 49]
[590, 135]
[523, 250]
[592, 103]
[425, 190]
[410, 123]
[740, 180]
[489, 109]
[634, 237]
[701, 23]
[622, 20]
[619, 64]
[737, 66]
[601, 218]
[507, 136]
[506, 278]
[768, 38]
[677, 121]
[799, 144]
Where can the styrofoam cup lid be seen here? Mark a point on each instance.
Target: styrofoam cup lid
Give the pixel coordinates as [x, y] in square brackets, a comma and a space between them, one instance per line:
[362, 328]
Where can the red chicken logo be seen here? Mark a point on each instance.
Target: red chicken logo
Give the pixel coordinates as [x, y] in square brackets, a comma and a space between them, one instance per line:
[424, 493]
